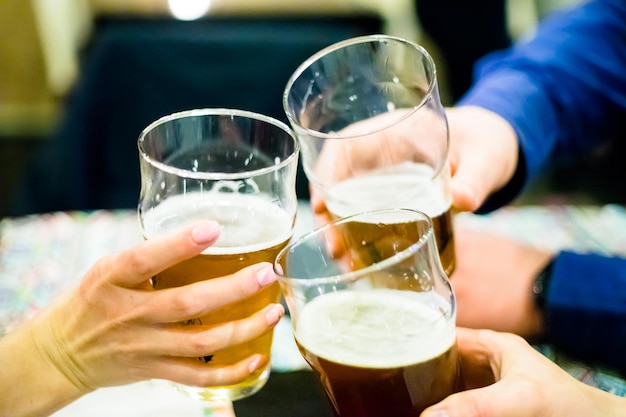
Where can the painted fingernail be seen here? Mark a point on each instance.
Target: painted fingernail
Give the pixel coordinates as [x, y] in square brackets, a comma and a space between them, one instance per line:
[273, 313]
[266, 275]
[206, 232]
[254, 363]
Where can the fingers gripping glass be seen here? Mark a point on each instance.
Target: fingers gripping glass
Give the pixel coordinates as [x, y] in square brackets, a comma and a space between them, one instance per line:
[373, 131]
[373, 313]
[235, 167]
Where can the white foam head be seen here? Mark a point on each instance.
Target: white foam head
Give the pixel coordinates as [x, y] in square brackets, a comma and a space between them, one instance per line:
[249, 222]
[407, 185]
[378, 328]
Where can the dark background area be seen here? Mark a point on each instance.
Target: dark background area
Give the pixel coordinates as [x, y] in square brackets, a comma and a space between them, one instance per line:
[134, 70]
[287, 394]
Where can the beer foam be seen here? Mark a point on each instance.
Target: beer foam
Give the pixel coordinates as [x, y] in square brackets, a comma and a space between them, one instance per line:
[408, 185]
[379, 328]
[249, 222]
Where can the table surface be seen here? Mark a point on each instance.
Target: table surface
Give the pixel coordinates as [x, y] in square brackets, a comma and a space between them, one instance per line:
[43, 255]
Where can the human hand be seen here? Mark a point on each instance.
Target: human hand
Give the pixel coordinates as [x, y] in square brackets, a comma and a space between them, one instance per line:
[493, 282]
[506, 377]
[399, 142]
[483, 155]
[114, 328]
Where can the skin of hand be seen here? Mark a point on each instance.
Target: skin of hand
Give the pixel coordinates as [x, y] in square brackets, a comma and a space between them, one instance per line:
[348, 155]
[506, 377]
[493, 282]
[483, 154]
[114, 328]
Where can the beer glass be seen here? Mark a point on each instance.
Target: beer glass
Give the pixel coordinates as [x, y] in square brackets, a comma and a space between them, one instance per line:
[376, 319]
[373, 131]
[235, 167]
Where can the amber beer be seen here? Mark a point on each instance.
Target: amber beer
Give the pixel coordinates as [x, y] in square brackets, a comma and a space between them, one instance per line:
[380, 352]
[254, 230]
[408, 185]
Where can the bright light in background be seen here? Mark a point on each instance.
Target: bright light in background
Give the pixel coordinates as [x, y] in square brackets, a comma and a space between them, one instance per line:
[189, 9]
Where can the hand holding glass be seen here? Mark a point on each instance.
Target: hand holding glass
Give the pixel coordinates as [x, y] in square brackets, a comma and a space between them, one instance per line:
[239, 169]
[373, 131]
[376, 320]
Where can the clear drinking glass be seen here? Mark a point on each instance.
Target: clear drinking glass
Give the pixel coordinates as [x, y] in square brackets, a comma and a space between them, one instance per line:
[238, 168]
[373, 313]
[373, 131]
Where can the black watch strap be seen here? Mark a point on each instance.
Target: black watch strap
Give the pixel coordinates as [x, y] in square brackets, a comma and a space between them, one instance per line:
[541, 285]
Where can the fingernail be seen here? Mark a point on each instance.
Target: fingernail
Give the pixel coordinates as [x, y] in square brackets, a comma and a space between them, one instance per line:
[469, 193]
[273, 313]
[266, 275]
[254, 363]
[220, 410]
[206, 232]
[435, 413]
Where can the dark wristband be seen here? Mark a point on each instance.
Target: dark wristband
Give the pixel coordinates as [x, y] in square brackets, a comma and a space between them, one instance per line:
[541, 285]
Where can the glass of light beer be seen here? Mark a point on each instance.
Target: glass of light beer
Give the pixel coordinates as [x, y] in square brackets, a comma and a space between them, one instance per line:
[373, 131]
[237, 168]
[373, 313]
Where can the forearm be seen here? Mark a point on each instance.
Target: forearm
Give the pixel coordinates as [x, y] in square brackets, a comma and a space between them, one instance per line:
[585, 313]
[562, 91]
[30, 385]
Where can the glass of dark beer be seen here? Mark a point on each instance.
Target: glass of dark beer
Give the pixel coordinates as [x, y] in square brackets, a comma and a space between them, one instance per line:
[373, 313]
[237, 168]
[373, 131]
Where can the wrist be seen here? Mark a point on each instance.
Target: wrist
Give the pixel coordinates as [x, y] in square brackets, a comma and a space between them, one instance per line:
[540, 292]
[31, 385]
[541, 285]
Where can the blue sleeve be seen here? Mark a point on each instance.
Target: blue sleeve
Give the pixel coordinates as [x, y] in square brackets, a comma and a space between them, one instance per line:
[586, 308]
[563, 90]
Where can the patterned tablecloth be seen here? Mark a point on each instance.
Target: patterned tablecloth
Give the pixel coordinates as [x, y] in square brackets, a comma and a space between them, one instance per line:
[40, 256]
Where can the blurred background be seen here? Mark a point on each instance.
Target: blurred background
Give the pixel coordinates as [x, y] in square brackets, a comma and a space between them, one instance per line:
[79, 79]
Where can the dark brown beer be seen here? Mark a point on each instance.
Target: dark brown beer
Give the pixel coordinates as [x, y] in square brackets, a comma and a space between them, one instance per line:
[444, 235]
[408, 185]
[393, 392]
[254, 231]
[379, 352]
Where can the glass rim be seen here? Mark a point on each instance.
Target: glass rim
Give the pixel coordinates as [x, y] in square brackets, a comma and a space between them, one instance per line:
[376, 38]
[185, 173]
[355, 275]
